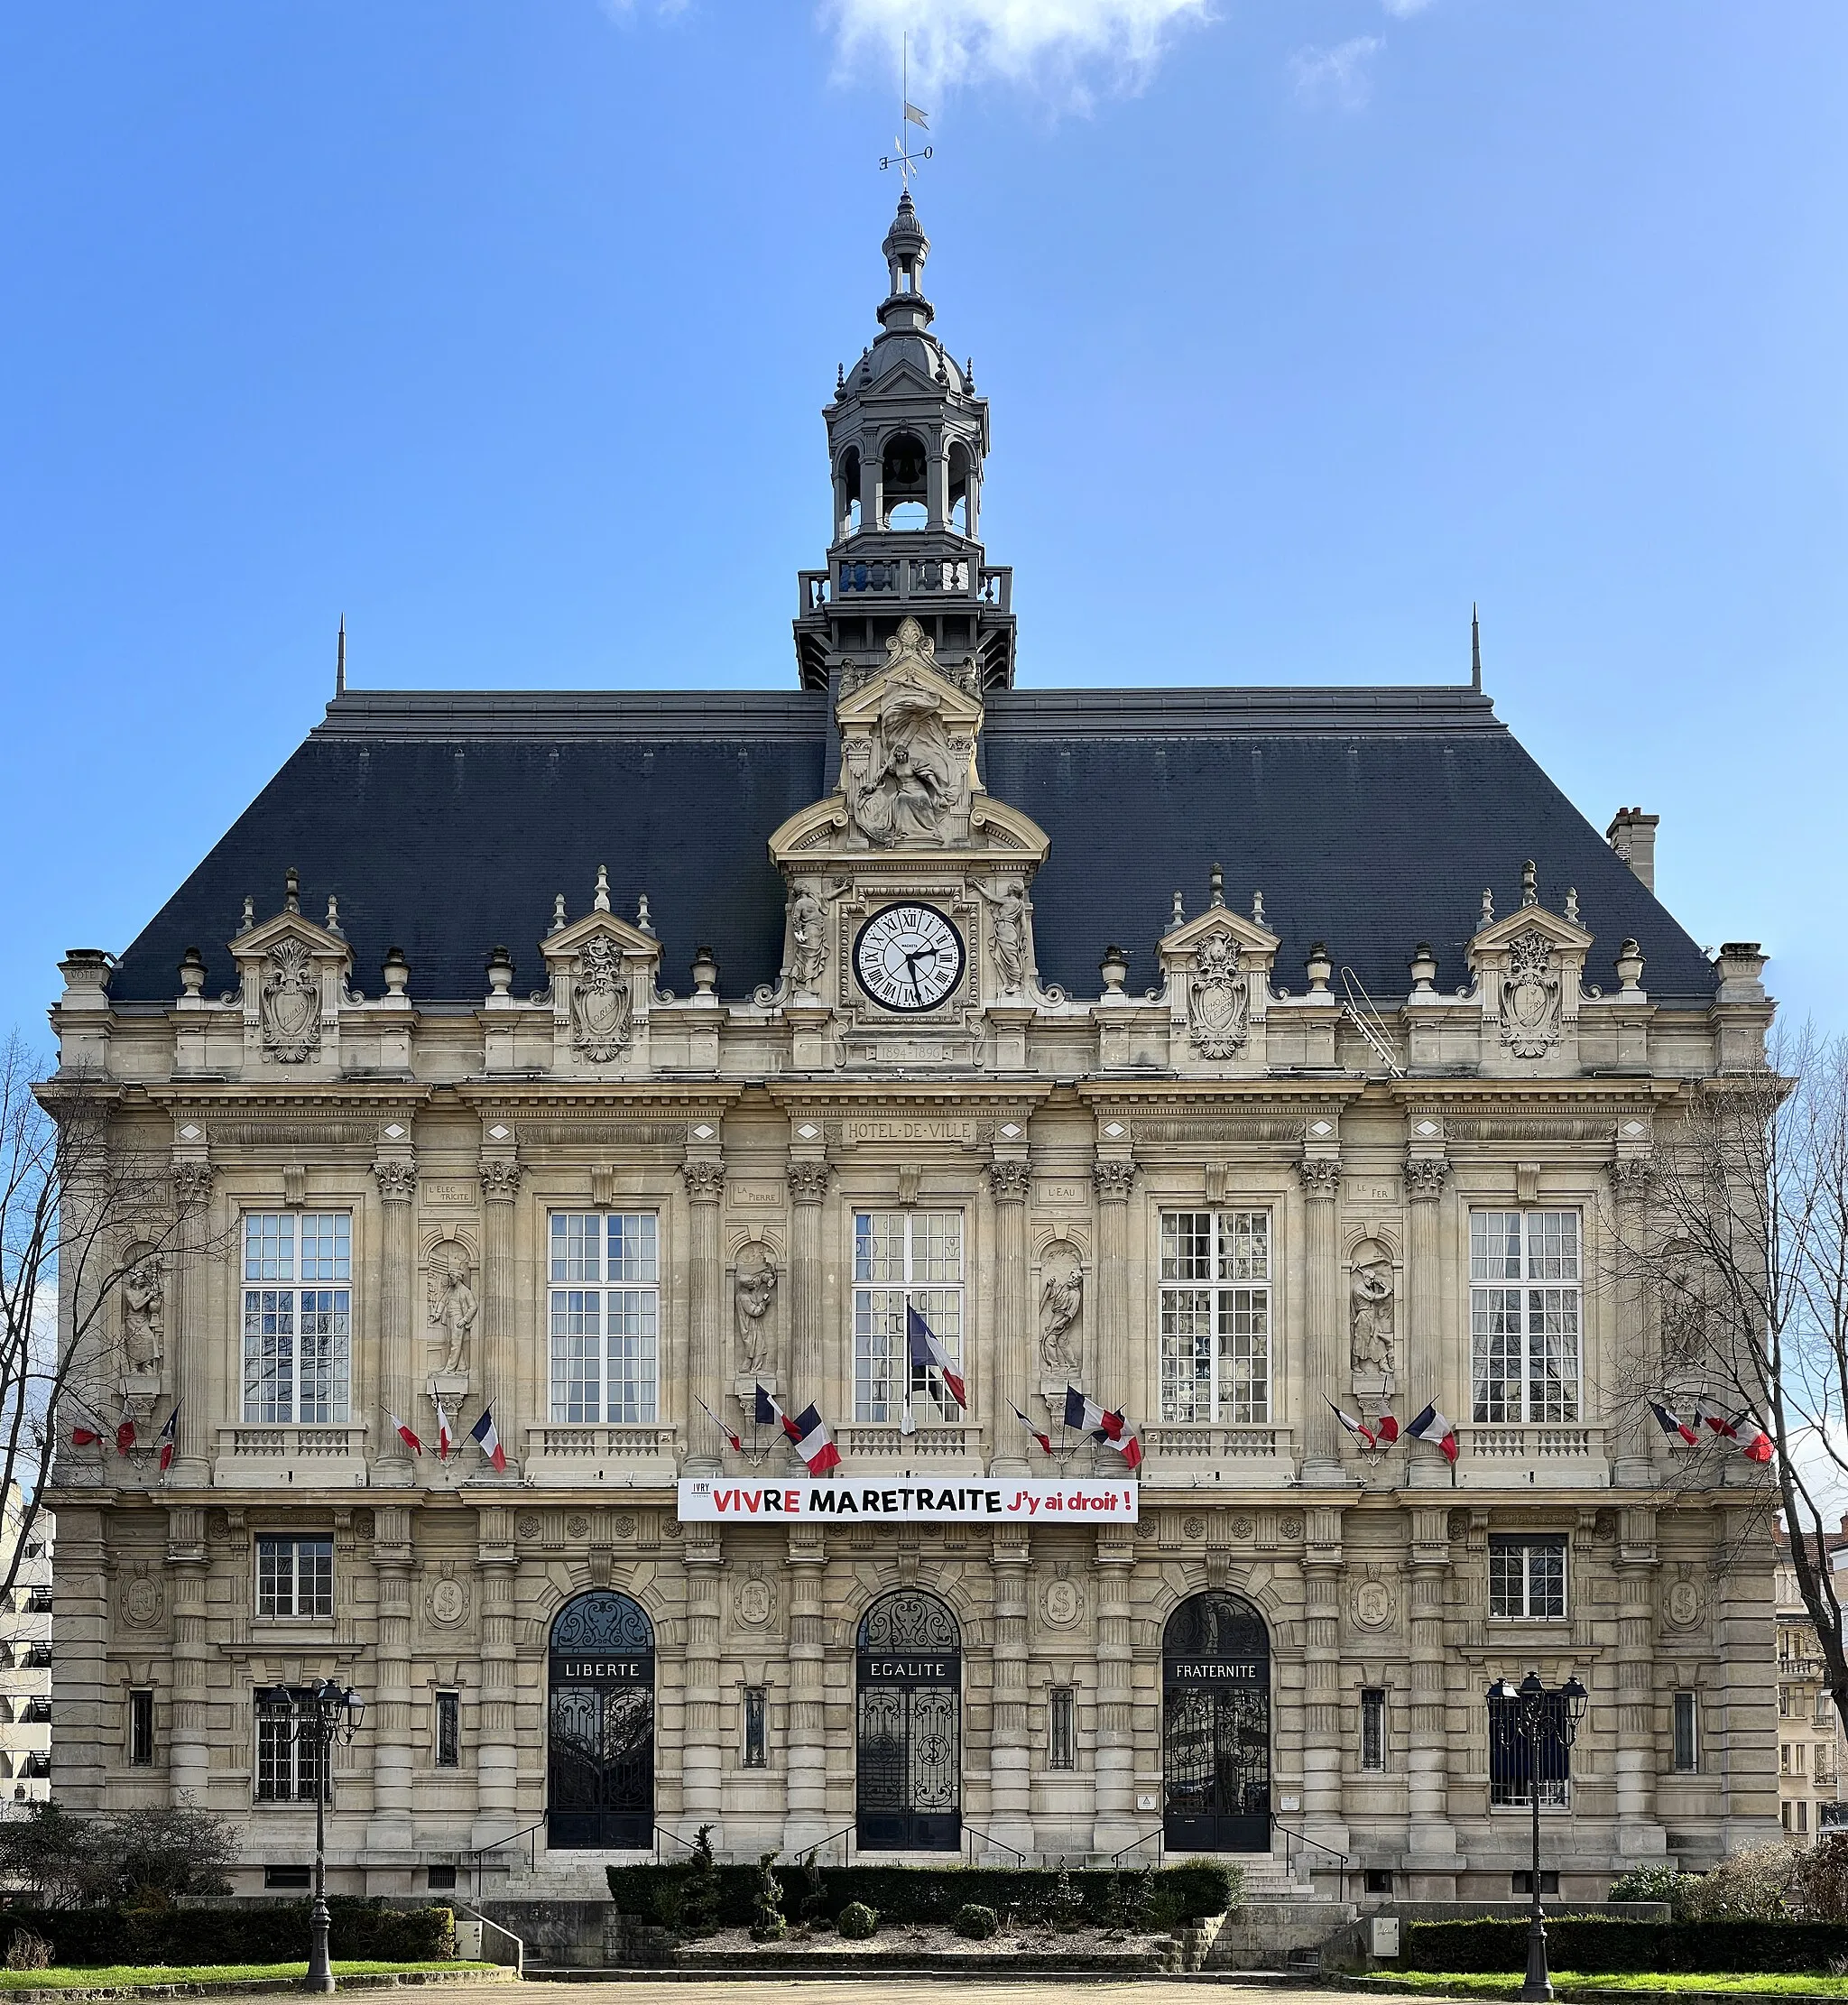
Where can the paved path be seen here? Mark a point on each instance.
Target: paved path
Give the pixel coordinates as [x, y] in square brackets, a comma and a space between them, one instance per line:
[645, 1989]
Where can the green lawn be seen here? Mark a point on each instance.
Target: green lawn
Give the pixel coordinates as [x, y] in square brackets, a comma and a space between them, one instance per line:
[1508, 1983]
[111, 1975]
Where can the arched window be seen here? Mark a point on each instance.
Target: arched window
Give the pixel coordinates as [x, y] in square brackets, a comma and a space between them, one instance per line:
[600, 1762]
[909, 1663]
[905, 476]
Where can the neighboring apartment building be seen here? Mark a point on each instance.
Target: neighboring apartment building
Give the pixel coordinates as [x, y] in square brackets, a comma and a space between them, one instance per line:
[25, 1660]
[1811, 1744]
[448, 1122]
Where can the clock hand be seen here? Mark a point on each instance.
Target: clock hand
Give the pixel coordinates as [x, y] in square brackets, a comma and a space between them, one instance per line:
[911, 974]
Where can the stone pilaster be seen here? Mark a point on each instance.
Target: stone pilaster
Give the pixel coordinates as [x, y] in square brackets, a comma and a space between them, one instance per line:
[1639, 1834]
[397, 1176]
[1009, 1758]
[498, 1763]
[1115, 1825]
[188, 1335]
[1643, 1459]
[1430, 1837]
[1421, 1361]
[499, 1350]
[87, 1706]
[1114, 1178]
[807, 1822]
[189, 1757]
[809, 1180]
[389, 1835]
[702, 1753]
[1322, 1737]
[705, 1177]
[1009, 1179]
[1325, 1354]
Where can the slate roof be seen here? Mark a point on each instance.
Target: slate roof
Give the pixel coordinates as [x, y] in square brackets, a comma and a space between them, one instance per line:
[1371, 820]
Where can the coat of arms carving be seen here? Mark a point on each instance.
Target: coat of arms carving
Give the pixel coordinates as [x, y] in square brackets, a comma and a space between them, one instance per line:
[602, 1019]
[1219, 1000]
[291, 1003]
[1530, 1001]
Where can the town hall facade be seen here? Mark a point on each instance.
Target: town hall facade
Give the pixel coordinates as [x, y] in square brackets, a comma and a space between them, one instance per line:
[636, 1069]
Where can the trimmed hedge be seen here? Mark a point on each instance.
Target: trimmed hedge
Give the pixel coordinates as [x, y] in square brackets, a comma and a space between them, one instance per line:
[81, 1937]
[1594, 1943]
[929, 1893]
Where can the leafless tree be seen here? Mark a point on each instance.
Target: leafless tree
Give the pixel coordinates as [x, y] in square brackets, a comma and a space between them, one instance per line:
[89, 1233]
[1745, 1260]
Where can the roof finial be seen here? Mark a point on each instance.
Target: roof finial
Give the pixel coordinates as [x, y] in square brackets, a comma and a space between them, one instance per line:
[557, 925]
[840, 379]
[1530, 884]
[1216, 885]
[291, 890]
[1488, 918]
[601, 901]
[340, 660]
[1177, 918]
[644, 923]
[1257, 908]
[1476, 650]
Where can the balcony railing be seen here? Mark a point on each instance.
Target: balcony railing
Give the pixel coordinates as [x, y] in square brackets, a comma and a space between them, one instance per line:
[622, 1444]
[1570, 1453]
[884, 1444]
[901, 579]
[1188, 1451]
[304, 1443]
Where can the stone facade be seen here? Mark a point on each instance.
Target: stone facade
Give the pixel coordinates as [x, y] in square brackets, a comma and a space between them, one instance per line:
[606, 1214]
[1810, 1742]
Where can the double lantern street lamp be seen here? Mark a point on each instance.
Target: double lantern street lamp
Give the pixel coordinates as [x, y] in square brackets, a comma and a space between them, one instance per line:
[316, 1716]
[1547, 1722]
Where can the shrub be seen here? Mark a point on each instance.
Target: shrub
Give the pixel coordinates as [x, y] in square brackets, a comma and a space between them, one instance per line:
[975, 1922]
[857, 1921]
[1750, 1886]
[699, 1893]
[1204, 1887]
[143, 1858]
[27, 1951]
[814, 1905]
[1065, 1903]
[1819, 1884]
[84, 1936]
[1601, 1942]
[1652, 1884]
[767, 1923]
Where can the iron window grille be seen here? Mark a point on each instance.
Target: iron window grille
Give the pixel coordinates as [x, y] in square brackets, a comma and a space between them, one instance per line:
[289, 1767]
[298, 1316]
[756, 1727]
[605, 1316]
[1064, 1727]
[140, 1730]
[1374, 1730]
[1526, 1362]
[1215, 1315]
[900, 1257]
[295, 1578]
[1513, 1759]
[1686, 1732]
[1527, 1578]
[448, 1729]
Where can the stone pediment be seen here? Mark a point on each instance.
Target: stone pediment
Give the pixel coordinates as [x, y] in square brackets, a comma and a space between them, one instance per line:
[902, 381]
[1251, 940]
[602, 977]
[1500, 934]
[292, 973]
[1529, 969]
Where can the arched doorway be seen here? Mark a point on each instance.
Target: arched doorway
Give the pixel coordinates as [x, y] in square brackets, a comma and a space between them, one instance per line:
[1215, 1726]
[600, 1756]
[910, 1764]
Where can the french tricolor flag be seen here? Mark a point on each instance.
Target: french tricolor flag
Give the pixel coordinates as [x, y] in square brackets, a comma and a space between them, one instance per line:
[1672, 1422]
[807, 1430]
[125, 1428]
[1754, 1442]
[1359, 1428]
[405, 1434]
[1432, 1426]
[487, 1436]
[1716, 1416]
[85, 1430]
[927, 1351]
[170, 1439]
[1088, 1418]
[446, 1441]
[1045, 1440]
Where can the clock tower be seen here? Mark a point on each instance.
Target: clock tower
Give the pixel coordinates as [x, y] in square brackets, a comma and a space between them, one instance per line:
[907, 438]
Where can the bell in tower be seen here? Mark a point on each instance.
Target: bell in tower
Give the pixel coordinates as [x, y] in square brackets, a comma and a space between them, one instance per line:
[907, 436]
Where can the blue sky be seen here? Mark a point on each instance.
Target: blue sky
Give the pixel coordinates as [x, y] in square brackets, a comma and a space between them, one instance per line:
[505, 329]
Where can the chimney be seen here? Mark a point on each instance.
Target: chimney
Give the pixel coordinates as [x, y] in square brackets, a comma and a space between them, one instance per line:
[1633, 835]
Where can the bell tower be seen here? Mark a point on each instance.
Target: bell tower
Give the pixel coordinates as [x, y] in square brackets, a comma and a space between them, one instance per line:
[907, 436]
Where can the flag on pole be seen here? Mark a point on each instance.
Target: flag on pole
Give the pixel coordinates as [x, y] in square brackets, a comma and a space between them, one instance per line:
[125, 1428]
[1387, 1428]
[926, 1352]
[487, 1436]
[907, 1421]
[446, 1441]
[916, 118]
[1359, 1428]
[86, 1430]
[1716, 1416]
[1087, 1417]
[1672, 1422]
[404, 1433]
[1045, 1440]
[806, 1430]
[1432, 1426]
[170, 1439]
[1129, 1447]
[1754, 1442]
[737, 1445]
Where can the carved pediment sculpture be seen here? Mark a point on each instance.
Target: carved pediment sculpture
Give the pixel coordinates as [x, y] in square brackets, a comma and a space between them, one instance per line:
[1528, 967]
[1219, 1000]
[602, 1009]
[291, 1002]
[1218, 967]
[601, 971]
[908, 746]
[294, 981]
[1530, 997]
[453, 1302]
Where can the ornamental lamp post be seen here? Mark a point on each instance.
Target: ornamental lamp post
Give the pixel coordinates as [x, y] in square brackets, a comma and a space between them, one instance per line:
[1531, 1711]
[317, 1717]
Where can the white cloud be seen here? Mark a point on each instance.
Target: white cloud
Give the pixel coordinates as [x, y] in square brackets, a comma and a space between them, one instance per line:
[1339, 76]
[1403, 10]
[1057, 47]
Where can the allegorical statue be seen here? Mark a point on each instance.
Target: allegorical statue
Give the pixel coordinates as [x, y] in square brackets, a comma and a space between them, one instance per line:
[913, 783]
[1370, 1303]
[1061, 1297]
[753, 1289]
[807, 940]
[453, 1304]
[1007, 934]
[143, 1314]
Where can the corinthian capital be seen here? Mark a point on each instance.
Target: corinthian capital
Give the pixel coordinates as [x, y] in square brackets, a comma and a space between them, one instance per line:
[1425, 1177]
[809, 1180]
[705, 1180]
[1321, 1176]
[396, 1180]
[1113, 1180]
[500, 1179]
[192, 1184]
[1010, 1182]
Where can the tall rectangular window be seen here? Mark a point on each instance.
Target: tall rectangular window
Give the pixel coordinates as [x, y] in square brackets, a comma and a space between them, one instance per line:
[448, 1729]
[1524, 1301]
[1373, 1730]
[295, 1578]
[1215, 1315]
[1527, 1577]
[901, 1257]
[140, 1730]
[756, 1727]
[297, 1316]
[1687, 1734]
[1515, 1762]
[1064, 1727]
[288, 1762]
[606, 1316]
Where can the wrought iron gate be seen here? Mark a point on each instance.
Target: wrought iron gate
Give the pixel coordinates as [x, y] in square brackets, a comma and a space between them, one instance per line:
[909, 1753]
[600, 1761]
[1215, 1677]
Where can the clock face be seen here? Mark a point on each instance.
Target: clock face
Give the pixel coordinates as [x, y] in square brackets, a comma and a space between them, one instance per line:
[909, 958]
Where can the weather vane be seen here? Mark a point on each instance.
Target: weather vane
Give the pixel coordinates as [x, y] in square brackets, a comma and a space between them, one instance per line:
[908, 163]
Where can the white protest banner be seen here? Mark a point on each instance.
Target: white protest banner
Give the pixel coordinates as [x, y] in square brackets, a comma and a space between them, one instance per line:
[952, 1500]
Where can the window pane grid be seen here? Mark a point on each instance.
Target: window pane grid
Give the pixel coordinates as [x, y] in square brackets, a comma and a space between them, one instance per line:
[1526, 1356]
[297, 1341]
[901, 1256]
[1527, 1578]
[1216, 1316]
[295, 1578]
[604, 1340]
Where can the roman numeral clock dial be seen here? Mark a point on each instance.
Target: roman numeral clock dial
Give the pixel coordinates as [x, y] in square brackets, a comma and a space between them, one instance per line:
[909, 958]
